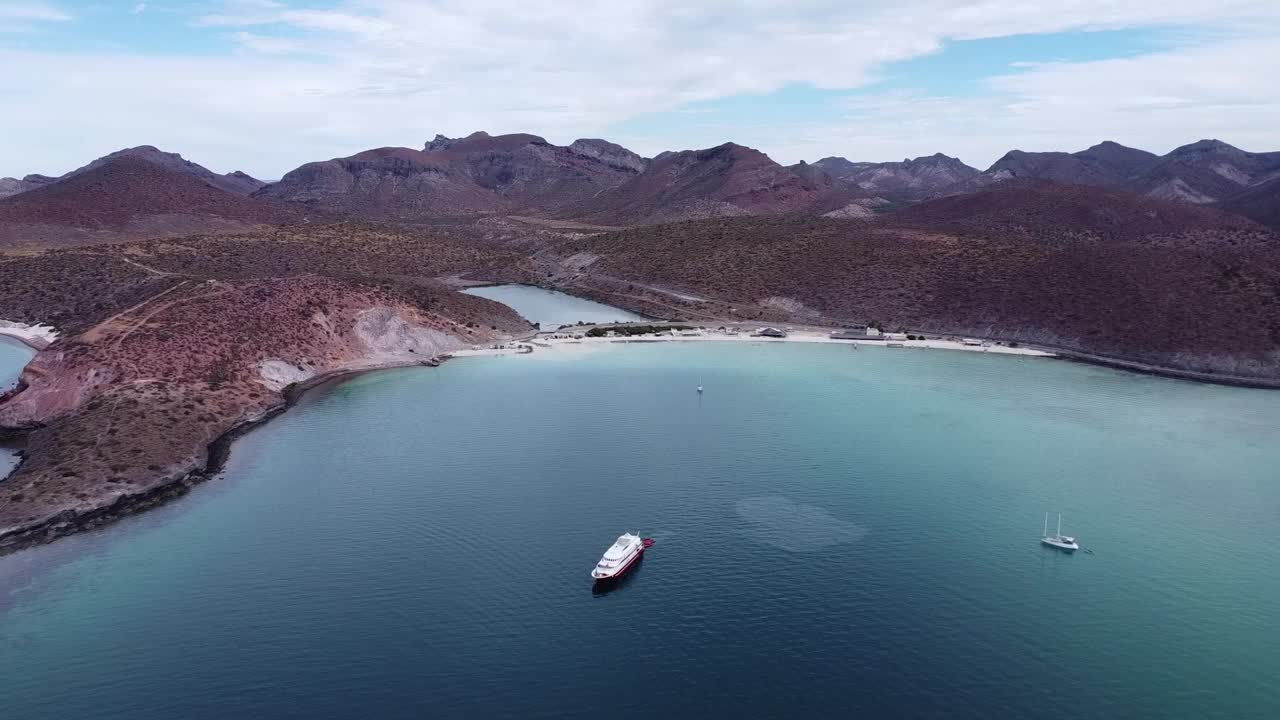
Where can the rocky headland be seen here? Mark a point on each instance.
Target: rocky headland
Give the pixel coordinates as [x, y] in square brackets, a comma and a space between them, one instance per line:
[135, 406]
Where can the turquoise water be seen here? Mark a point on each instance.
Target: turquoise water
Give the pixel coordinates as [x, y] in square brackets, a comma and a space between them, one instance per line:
[13, 357]
[839, 533]
[551, 309]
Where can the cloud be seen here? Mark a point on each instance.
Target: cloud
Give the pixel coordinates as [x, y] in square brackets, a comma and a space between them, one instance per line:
[31, 11]
[308, 83]
[139, 9]
[1156, 101]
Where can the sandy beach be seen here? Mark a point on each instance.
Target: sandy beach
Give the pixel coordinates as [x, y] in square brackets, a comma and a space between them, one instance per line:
[570, 341]
[34, 336]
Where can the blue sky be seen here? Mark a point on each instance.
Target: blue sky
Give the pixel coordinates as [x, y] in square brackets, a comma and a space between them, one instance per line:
[265, 85]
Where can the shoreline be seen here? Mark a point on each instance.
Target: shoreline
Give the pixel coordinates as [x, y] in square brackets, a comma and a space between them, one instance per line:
[812, 336]
[1141, 368]
[816, 333]
[1116, 363]
[218, 450]
[34, 343]
[37, 336]
[216, 454]
[513, 347]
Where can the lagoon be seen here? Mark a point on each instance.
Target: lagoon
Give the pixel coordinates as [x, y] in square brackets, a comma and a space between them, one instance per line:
[551, 309]
[14, 356]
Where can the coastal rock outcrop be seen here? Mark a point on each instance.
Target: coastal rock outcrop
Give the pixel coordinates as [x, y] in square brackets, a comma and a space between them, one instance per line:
[125, 414]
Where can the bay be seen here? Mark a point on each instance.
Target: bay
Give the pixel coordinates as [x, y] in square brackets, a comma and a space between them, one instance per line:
[838, 532]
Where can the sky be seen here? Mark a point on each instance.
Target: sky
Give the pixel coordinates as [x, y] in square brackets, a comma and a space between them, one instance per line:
[266, 85]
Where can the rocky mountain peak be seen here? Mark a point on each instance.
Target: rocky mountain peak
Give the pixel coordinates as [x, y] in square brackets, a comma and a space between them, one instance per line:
[1205, 145]
[439, 142]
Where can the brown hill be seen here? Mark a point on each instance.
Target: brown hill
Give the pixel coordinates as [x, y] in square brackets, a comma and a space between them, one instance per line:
[476, 175]
[1260, 203]
[1210, 308]
[233, 182]
[590, 180]
[126, 197]
[726, 180]
[1107, 164]
[1206, 171]
[72, 288]
[170, 344]
[1053, 212]
[908, 180]
[1201, 172]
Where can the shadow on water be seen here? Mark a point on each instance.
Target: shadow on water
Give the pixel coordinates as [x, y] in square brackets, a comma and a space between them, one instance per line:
[600, 588]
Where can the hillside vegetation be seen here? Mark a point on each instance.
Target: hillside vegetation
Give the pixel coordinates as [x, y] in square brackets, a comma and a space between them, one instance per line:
[1133, 294]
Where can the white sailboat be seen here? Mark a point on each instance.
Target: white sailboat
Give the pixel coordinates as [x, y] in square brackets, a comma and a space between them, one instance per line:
[1058, 540]
[699, 384]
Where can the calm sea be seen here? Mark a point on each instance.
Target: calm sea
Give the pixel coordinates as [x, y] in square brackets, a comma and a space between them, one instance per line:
[840, 533]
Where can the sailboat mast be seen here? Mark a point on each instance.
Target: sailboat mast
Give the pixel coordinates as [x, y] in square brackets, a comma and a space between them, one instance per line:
[1059, 524]
[1046, 525]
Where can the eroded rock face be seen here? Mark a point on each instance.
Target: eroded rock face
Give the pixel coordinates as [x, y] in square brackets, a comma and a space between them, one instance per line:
[610, 153]
[13, 186]
[440, 142]
[279, 374]
[125, 412]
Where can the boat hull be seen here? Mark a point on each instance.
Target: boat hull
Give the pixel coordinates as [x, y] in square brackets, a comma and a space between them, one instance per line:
[1058, 546]
[621, 571]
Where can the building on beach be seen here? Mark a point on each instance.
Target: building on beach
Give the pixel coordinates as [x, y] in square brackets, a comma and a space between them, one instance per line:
[857, 332]
[769, 332]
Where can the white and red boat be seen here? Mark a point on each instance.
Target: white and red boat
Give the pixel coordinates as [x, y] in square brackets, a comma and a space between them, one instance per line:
[620, 557]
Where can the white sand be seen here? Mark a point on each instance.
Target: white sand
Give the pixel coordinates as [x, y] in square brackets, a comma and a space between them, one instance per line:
[37, 336]
[802, 336]
[511, 349]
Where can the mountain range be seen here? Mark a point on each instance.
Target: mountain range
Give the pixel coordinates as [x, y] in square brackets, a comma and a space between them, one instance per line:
[476, 175]
[1203, 172]
[135, 194]
[596, 181]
